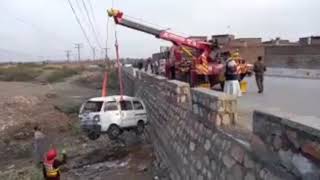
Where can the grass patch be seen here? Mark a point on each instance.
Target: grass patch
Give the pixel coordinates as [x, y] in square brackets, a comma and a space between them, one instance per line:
[19, 73]
[60, 74]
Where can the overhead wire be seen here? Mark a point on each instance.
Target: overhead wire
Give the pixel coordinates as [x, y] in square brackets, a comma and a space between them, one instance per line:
[79, 22]
[93, 16]
[91, 24]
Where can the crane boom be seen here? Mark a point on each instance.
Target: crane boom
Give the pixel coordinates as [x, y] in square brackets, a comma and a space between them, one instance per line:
[162, 34]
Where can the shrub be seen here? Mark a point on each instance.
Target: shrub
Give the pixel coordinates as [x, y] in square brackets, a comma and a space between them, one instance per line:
[19, 73]
[60, 74]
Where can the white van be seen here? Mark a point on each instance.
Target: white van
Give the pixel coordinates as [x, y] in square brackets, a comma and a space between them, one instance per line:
[112, 115]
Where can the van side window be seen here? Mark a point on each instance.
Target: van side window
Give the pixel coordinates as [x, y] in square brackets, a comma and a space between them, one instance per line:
[92, 106]
[126, 105]
[137, 105]
[111, 106]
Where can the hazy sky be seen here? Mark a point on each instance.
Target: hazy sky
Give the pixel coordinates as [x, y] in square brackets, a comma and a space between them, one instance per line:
[46, 28]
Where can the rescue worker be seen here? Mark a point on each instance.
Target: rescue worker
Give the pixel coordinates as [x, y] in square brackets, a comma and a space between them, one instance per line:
[232, 85]
[259, 68]
[242, 69]
[51, 164]
[39, 145]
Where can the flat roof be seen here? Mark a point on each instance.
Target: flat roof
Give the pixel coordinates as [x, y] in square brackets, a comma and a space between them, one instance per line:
[113, 98]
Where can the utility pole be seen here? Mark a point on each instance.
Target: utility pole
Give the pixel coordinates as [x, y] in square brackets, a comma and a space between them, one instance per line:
[93, 53]
[78, 46]
[106, 54]
[68, 55]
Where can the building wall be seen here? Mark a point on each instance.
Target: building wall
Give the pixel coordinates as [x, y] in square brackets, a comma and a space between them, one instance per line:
[249, 53]
[194, 137]
[307, 57]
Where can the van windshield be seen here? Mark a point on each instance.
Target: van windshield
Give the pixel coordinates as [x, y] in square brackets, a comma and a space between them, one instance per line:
[92, 106]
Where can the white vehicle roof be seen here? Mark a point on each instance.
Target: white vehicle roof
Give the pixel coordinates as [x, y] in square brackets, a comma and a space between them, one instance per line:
[113, 98]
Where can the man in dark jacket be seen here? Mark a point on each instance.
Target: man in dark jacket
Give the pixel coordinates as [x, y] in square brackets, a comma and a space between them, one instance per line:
[259, 69]
[51, 164]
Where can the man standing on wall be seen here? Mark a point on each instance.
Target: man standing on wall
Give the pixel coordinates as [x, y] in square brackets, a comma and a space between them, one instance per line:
[259, 69]
[231, 85]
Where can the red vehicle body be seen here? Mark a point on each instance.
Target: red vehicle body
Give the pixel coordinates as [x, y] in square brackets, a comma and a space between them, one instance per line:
[189, 58]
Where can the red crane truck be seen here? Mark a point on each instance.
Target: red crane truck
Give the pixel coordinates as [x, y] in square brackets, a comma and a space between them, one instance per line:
[189, 58]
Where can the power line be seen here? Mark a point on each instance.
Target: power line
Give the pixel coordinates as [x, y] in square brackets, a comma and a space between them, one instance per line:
[78, 20]
[90, 22]
[94, 17]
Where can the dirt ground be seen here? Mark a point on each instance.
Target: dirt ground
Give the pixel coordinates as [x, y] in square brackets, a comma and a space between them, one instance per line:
[25, 104]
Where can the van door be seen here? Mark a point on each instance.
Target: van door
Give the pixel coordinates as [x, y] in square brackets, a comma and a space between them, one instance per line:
[110, 115]
[140, 112]
[127, 114]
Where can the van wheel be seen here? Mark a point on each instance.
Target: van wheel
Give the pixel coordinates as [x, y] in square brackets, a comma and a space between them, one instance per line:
[93, 135]
[114, 131]
[140, 127]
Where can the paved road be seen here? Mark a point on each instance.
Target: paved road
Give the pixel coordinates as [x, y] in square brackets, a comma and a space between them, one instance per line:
[298, 96]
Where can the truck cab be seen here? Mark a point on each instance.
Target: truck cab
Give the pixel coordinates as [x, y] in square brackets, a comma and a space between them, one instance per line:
[112, 115]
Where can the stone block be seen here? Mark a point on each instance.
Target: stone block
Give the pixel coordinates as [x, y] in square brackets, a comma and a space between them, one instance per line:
[228, 161]
[249, 176]
[207, 145]
[213, 165]
[206, 160]
[237, 153]
[236, 172]
[277, 143]
[199, 165]
[248, 162]
[293, 138]
[192, 146]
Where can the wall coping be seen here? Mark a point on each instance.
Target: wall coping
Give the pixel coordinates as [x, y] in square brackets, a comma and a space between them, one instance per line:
[308, 124]
[219, 95]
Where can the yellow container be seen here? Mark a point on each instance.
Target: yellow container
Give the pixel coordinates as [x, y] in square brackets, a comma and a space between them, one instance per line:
[244, 86]
[205, 85]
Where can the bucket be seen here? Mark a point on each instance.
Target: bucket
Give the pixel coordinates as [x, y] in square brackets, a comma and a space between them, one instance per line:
[244, 86]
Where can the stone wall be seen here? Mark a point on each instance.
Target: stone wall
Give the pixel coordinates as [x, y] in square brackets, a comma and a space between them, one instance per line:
[307, 56]
[294, 73]
[193, 133]
[294, 141]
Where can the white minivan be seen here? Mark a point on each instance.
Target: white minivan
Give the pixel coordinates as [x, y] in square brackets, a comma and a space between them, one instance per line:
[112, 115]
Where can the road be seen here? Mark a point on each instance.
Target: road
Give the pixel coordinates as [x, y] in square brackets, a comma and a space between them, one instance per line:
[298, 96]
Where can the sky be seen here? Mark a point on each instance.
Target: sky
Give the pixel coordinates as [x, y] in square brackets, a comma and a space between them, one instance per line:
[45, 29]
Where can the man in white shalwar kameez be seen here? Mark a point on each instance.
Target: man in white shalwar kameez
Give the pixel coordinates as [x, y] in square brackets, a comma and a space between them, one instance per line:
[232, 85]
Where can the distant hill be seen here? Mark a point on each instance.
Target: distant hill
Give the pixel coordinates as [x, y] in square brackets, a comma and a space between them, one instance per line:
[9, 55]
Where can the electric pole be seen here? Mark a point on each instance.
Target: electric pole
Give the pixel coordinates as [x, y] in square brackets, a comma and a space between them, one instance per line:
[93, 53]
[68, 55]
[78, 46]
[106, 54]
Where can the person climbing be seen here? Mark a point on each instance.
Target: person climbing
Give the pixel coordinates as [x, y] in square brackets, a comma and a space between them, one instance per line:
[51, 164]
[40, 145]
[259, 68]
[232, 85]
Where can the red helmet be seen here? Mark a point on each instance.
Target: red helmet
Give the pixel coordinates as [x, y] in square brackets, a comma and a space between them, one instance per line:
[51, 154]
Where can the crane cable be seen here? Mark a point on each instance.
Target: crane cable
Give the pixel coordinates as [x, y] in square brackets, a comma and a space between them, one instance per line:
[119, 65]
[118, 60]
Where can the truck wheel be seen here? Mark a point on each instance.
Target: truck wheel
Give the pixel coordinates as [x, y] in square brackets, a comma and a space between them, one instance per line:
[93, 135]
[114, 131]
[140, 127]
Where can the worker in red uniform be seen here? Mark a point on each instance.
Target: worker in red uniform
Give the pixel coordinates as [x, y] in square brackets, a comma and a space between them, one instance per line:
[51, 164]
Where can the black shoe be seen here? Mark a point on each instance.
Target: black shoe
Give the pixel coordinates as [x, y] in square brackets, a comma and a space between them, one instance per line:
[259, 92]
